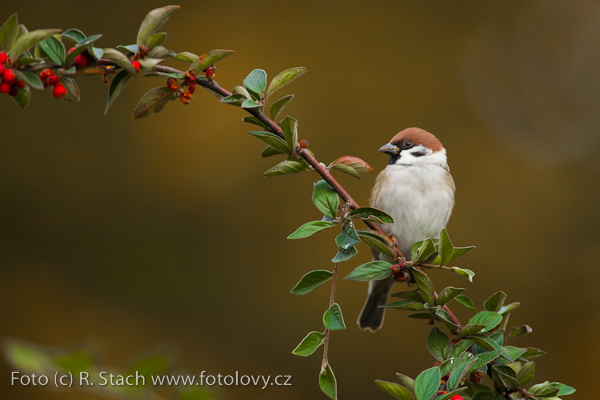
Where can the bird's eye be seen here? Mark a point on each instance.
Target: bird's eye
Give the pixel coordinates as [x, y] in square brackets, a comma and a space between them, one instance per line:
[408, 144]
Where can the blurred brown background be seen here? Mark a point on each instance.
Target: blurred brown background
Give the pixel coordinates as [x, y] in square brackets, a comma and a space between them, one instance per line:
[124, 236]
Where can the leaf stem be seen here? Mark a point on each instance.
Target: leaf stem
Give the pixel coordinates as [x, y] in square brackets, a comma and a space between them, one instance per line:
[325, 361]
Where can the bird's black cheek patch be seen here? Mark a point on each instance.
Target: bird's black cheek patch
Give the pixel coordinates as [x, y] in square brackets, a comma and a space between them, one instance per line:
[418, 153]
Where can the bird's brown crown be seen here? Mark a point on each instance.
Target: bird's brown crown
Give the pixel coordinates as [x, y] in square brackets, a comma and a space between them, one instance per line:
[418, 136]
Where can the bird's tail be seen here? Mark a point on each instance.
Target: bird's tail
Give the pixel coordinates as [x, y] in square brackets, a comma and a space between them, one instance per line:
[371, 317]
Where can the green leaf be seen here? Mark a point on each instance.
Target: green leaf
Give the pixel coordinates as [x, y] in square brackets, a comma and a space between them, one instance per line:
[543, 390]
[438, 344]
[521, 330]
[30, 39]
[271, 151]
[116, 87]
[467, 302]
[279, 105]
[466, 273]
[289, 126]
[271, 139]
[152, 102]
[484, 359]
[119, 59]
[377, 241]
[159, 52]
[54, 49]
[471, 329]
[153, 22]
[372, 214]
[421, 251]
[250, 104]
[495, 302]
[413, 295]
[326, 199]
[287, 167]
[23, 96]
[256, 81]
[484, 395]
[333, 318]
[8, 32]
[458, 373]
[461, 347]
[488, 318]
[427, 383]
[27, 60]
[255, 121]
[328, 383]
[311, 280]
[201, 63]
[129, 49]
[351, 166]
[72, 88]
[512, 353]
[445, 247]
[283, 78]
[442, 315]
[27, 357]
[74, 35]
[505, 375]
[407, 382]
[484, 342]
[156, 39]
[448, 294]
[396, 390]
[425, 285]
[348, 237]
[406, 305]
[508, 308]
[186, 57]
[309, 344]
[234, 100]
[344, 254]
[310, 228]
[526, 373]
[532, 353]
[563, 390]
[149, 63]
[460, 251]
[30, 79]
[371, 271]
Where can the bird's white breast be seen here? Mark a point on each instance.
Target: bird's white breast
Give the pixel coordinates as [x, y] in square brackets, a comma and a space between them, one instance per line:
[419, 197]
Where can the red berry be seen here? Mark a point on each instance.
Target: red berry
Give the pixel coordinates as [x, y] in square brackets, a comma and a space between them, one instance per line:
[14, 90]
[4, 88]
[456, 397]
[136, 65]
[192, 87]
[20, 84]
[70, 50]
[172, 83]
[3, 57]
[53, 80]
[59, 91]
[210, 73]
[8, 76]
[81, 61]
[2, 67]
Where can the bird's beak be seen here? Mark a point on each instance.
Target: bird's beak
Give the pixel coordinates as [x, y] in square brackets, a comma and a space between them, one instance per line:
[390, 149]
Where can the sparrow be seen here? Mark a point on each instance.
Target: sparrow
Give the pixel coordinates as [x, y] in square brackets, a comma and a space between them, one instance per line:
[417, 191]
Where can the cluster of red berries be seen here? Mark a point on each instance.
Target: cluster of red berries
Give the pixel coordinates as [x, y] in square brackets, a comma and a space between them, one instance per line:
[400, 272]
[187, 87]
[49, 79]
[9, 82]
